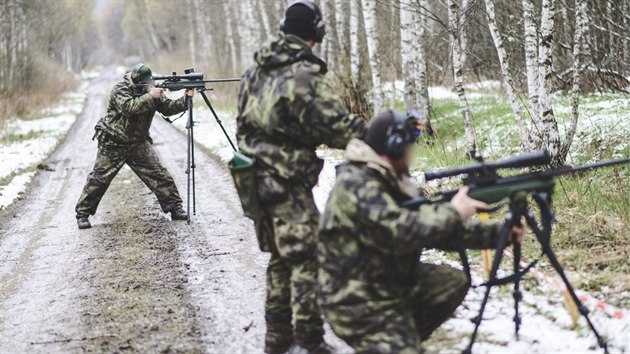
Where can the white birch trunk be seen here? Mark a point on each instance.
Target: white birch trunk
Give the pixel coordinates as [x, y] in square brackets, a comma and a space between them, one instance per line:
[355, 51]
[458, 78]
[551, 136]
[369, 17]
[343, 34]
[581, 9]
[626, 24]
[531, 65]
[192, 45]
[248, 33]
[229, 31]
[422, 83]
[508, 81]
[203, 35]
[266, 26]
[463, 35]
[408, 52]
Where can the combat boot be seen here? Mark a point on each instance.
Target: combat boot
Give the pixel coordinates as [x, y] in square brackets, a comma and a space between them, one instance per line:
[321, 348]
[83, 223]
[178, 214]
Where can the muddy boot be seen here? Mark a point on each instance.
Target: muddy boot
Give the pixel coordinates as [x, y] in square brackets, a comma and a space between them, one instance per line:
[83, 223]
[278, 344]
[178, 214]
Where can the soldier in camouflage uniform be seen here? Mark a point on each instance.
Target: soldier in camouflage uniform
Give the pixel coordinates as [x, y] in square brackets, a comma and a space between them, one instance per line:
[373, 290]
[286, 110]
[123, 138]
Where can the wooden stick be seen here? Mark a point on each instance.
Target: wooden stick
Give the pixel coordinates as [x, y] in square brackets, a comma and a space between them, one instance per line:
[485, 254]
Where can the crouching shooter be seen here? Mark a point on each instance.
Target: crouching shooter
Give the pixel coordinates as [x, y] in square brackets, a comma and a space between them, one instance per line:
[373, 290]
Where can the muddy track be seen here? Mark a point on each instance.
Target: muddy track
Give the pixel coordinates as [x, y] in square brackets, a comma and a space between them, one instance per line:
[135, 282]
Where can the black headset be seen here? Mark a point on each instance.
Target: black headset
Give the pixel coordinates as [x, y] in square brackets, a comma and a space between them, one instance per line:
[318, 23]
[135, 77]
[399, 135]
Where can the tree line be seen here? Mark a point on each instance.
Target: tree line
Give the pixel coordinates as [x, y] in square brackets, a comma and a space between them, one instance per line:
[533, 47]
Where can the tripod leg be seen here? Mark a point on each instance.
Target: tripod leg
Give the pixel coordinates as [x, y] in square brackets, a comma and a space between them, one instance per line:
[502, 243]
[583, 310]
[191, 143]
[188, 136]
[216, 117]
[517, 291]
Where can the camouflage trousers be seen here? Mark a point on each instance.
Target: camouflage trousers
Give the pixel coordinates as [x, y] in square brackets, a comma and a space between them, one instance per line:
[437, 294]
[291, 237]
[142, 160]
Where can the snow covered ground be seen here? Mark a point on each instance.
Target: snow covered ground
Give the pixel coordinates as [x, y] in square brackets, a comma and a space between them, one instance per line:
[26, 142]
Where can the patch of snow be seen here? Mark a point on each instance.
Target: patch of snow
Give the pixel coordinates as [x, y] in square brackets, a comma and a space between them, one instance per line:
[439, 92]
[21, 153]
[483, 85]
[13, 189]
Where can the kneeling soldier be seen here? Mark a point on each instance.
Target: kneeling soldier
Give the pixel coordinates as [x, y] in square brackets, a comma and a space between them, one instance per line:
[373, 290]
[123, 138]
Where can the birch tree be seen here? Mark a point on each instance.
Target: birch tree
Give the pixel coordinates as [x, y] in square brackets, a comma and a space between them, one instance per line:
[342, 29]
[369, 17]
[355, 50]
[508, 81]
[551, 136]
[422, 82]
[580, 26]
[458, 78]
[408, 53]
[531, 65]
[192, 45]
[229, 31]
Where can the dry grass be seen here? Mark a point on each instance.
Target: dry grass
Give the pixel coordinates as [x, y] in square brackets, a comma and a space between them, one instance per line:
[39, 87]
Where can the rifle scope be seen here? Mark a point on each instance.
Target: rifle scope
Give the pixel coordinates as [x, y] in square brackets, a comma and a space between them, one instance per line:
[534, 158]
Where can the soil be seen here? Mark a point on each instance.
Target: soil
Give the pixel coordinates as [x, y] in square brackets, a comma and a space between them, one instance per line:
[137, 281]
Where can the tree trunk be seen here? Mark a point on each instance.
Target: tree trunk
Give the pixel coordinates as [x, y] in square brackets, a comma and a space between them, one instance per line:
[355, 51]
[203, 36]
[147, 23]
[463, 35]
[581, 9]
[408, 52]
[369, 17]
[266, 27]
[508, 81]
[531, 65]
[229, 31]
[422, 82]
[343, 34]
[551, 136]
[458, 78]
[192, 44]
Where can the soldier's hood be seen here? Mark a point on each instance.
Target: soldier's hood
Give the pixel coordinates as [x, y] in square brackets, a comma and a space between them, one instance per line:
[286, 49]
[359, 151]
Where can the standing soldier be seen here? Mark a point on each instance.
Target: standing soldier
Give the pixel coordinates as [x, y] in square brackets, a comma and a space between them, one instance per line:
[123, 138]
[286, 110]
[373, 290]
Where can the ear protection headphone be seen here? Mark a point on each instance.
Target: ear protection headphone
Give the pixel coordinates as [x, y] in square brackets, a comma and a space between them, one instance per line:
[318, 23]
[398, 136]
[135, 77]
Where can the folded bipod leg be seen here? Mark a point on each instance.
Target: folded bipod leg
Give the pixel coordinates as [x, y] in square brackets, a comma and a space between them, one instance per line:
[518, 296]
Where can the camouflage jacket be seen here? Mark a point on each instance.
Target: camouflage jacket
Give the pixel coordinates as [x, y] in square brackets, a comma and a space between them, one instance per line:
[287, 108]
[129, 115]
[369, 246]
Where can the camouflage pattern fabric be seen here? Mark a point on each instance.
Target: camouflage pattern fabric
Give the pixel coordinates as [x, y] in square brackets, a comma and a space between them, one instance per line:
[130, 114]
[373, 290]
[142, 160]
[287, 109]
[123, 138]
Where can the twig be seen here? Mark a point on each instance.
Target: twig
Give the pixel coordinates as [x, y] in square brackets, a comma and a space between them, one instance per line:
[67, 340]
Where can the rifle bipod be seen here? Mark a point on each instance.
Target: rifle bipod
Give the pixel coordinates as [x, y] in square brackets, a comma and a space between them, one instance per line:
[190, 167]
[518, 211]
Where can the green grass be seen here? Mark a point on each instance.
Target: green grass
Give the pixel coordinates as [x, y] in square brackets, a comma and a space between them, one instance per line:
[592, 235]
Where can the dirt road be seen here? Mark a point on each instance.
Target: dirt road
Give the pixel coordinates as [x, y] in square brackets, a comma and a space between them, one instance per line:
[135, 282]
